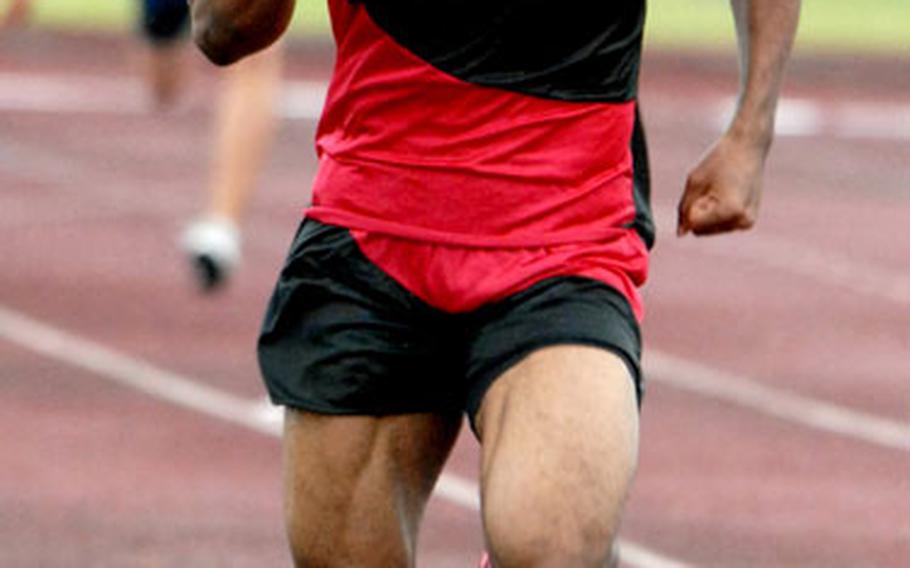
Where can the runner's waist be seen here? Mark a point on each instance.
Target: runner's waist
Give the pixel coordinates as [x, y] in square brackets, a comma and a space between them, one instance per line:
[446, 204]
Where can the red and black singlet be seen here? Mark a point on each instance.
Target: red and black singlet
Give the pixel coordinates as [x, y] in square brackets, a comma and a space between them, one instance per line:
[486, 123]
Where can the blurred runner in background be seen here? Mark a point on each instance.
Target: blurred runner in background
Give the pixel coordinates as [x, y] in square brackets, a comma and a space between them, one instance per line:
[244, 126]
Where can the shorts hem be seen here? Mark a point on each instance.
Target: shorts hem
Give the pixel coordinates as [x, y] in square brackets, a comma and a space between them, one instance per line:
[485, 380]
[329, 410]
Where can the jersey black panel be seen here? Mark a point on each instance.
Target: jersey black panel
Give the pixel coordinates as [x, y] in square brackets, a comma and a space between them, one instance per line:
[641, 188]
[578, 50]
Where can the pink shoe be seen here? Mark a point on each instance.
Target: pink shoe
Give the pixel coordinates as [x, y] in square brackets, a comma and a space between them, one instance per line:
[485, 561]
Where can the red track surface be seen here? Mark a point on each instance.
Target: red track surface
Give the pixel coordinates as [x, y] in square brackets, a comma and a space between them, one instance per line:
[816, 302]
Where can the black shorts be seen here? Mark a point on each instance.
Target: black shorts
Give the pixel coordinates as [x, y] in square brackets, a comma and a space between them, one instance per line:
[342, 337]
[164, 21]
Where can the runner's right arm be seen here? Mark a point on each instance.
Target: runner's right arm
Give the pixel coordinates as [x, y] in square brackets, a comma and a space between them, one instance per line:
[228, 30]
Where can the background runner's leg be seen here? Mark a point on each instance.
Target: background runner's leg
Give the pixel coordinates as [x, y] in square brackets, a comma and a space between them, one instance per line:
[244, 128]
[356, 486]
[560, 446]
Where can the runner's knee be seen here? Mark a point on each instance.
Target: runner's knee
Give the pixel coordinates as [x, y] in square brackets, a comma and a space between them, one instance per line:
[537, 544]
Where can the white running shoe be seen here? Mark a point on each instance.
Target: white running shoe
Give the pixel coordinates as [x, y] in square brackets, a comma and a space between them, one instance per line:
[213, 247]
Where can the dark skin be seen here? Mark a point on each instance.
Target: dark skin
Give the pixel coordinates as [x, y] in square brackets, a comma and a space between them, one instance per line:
[229, 30]
[723, 191]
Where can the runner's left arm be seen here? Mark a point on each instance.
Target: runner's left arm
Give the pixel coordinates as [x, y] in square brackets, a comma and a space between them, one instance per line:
[228, 30]
[723, 191]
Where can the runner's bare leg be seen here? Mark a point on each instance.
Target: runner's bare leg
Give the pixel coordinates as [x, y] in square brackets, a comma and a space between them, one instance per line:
[356, 486]
[560, 447]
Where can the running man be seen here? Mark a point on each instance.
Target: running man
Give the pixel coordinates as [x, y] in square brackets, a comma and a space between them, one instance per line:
[244, 126]
[478, 234]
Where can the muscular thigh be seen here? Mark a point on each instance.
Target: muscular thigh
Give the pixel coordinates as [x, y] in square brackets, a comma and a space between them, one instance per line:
[554, 384]
[572, 401]
[560, 439]
[576, 403]
[356, 486]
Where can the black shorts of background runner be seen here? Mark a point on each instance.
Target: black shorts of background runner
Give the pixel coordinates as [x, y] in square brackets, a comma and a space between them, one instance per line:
[342, 337]
[164, 21]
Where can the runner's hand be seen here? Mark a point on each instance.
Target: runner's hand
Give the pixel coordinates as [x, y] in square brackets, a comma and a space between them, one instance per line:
[723, 191]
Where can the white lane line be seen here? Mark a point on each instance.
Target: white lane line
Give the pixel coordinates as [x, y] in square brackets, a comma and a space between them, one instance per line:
[63, 93]
[824, 266]
[127, 96]
[96, 359]
[803, 117]
[799, 118]
[56, 344]
[633, 554]
[693, 377]
[303, 99]
[827, 266]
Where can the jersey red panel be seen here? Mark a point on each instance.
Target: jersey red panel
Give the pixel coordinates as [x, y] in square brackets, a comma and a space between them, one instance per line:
[425, 165]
